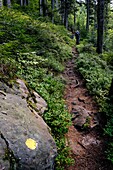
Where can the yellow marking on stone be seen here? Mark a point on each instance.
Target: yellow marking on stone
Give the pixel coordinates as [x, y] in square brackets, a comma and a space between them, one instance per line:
[31, 144]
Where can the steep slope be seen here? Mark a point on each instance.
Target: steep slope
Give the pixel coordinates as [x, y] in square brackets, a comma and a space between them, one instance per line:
[35, 51]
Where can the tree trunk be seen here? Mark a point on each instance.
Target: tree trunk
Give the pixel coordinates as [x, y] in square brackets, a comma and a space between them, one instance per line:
[44, 7]
[8, 3]
[62, 10]
[1, 4]
[57, 5]
[100, 30]
[21, 3]
[25, 2]
[74, 18]
[40, 7]
[106, 17]
[95, 16]
[111, 92]
[66, 15]
[52, 8]
[87, 22]
[74, 13]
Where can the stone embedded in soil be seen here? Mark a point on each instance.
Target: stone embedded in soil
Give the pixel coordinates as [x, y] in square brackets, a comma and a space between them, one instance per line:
[81, 99]
[73, 103]
[90, 140]
[80, 116]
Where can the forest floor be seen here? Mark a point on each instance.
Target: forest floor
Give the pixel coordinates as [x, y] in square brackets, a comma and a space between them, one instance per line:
[87, 146]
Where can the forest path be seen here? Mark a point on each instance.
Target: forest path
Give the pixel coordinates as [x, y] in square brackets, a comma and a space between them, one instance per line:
[87, 146]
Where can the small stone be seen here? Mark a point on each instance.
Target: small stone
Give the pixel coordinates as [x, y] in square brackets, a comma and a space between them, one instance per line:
[81, 99]
[81, 116]
[74, 103]
[4, 112]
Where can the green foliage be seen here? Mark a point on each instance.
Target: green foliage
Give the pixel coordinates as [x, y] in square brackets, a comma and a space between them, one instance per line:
[108, 57]
[81, 21]
[36, 51]
[8, 69]
[63, 158]
[96, 73]
[108, 44]
[85, 47]
[109, 132]
[51, 89]
[110, 152]
[87, 123]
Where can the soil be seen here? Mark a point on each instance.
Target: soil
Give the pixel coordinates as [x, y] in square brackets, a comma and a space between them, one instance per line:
[87, 145]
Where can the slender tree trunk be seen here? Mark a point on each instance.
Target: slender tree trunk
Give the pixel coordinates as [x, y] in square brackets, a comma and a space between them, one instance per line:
[8, 3]
[95, 16]
[106, 17]
[111, 92]
[100, 30]
[52, 8]
[74, 18]
[44, 7]
[57, 4]
[40, 7]
[1, 4]
[62, 10]
[66, 15]
[21, 3]
[74, 13]
[25, 2]
[87, 22]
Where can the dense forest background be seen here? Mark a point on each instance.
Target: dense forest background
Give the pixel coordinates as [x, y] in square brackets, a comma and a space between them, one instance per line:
[35, 42]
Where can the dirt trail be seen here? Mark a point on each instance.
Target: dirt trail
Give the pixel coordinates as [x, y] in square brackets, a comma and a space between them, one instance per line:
[87, 146]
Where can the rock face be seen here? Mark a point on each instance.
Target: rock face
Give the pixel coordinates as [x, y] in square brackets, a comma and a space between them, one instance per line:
[25, 141]
[80, 116]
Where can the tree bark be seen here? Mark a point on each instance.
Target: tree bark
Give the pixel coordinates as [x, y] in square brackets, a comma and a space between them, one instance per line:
[111, 92]
[1, 4]
[44, 7]
[100, 29]
[21, 2]
[66, 15]
[8, 3]
[52, 8]
[25, 2]
[62, 10]
[40, 7]
[106, 17]
[57, 4]
[74, 13]
[87, 21]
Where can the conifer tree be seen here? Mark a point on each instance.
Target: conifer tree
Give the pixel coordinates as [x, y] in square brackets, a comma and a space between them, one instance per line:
[100, 22]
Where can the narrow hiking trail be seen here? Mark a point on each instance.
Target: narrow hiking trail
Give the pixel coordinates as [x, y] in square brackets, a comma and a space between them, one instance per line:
[87, 145]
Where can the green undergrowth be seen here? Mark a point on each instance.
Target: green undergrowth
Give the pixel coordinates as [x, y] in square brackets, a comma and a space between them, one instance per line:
[97, 74]
[36, 51]
[97, 71]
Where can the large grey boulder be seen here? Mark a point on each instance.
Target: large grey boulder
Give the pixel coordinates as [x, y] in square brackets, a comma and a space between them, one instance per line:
[25, 139]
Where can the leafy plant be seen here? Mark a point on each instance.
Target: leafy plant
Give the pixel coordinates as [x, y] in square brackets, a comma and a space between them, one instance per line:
[98, 74]
[36, 51]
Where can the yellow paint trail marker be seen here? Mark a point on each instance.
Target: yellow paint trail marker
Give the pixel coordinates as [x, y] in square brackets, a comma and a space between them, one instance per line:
[31, 144]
